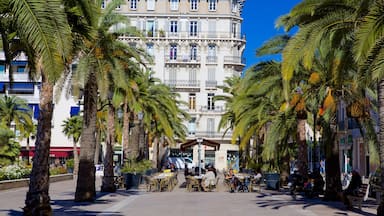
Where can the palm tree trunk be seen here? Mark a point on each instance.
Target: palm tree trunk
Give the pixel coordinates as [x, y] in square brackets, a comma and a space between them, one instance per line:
[332, 167]
[126, 122]
[97, 148]
[108, 185]
[380, 209]
[38, 201]
[134, 142]
[85, 188]
[75, 159]
[303, 148]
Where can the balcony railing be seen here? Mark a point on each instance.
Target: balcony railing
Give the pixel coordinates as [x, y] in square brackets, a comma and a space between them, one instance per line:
[211, 60]
[212, 109]
[210, 134]
[234, 60]
[181, 59]
[183, 83]
[190, 35]
[211, 84]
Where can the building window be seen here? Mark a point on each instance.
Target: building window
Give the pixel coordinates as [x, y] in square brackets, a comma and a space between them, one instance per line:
[173, 27]
[118, 7]
[211, 50]
[234, 29]
[192, 101]
[150, 49]
[212, 5]
[211, 127]
[150, 28]
[192, 126]
[174, 4]
[173, 52]
[234, 6]
[193, 28]
[193, 51]
[194, 5]
[211, 103]
[192, 78]
[133, 4]
[150, 4]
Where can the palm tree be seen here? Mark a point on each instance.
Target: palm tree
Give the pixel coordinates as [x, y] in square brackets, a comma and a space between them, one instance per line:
[325, 26]
[369, 54]
[99, 59]
[42, 26]
[72, 129]
[16, 110]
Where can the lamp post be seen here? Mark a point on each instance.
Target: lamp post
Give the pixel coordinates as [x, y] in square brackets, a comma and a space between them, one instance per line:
[199, 141]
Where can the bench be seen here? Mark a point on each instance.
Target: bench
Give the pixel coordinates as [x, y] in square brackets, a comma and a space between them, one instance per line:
[360, 197]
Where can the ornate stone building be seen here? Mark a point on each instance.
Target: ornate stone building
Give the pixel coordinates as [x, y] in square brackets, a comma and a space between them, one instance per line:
[195, 45]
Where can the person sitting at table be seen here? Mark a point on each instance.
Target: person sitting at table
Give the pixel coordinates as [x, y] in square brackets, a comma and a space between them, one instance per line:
[233, 181]
[208, 179]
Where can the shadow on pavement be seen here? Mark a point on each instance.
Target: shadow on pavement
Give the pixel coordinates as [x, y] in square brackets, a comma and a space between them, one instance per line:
[308, 202]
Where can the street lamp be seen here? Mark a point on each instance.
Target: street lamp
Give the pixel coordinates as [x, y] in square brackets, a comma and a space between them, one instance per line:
[199, 141]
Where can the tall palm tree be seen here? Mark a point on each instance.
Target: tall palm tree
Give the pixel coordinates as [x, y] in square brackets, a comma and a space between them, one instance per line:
[369, 54]
[72, 129]
[99, 58]
[326, 26]
[43, 28]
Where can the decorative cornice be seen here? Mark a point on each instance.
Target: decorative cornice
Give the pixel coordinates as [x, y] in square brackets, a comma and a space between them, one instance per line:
[241, 5]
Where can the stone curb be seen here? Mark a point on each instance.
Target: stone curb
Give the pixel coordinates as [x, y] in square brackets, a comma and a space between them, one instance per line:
[16, 183]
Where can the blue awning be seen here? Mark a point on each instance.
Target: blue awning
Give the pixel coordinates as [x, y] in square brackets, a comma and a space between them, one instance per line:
[21, 87]
[2, 87]
[19, 63]
[74, 111]
[35, 109]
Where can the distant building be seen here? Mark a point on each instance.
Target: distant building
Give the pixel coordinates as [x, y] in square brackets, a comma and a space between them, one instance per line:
[23, 87]
[196, 45]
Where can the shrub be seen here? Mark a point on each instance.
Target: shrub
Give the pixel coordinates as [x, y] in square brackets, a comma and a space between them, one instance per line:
[136, 167]
[14, 172]
[57, 170]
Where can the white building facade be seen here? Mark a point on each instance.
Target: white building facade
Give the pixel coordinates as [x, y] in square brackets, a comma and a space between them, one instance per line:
[195, 45]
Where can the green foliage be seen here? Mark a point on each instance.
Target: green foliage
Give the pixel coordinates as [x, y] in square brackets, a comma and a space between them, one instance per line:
[9, 148]
[14, 172]
[136, 167]
[70, 163]
[57, 170]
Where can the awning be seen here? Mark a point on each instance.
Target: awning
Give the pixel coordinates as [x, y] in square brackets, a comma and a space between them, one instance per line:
[35, 108]
[74, 111]
[19, 63]
[55, 152]
[205, 142]
[21, 87]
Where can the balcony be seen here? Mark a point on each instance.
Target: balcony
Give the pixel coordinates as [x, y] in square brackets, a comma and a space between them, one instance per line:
[210, 134]
[159, 34]
[234, 60]
[211, 84]
[218, 109]
[182, 60]
[211, 60]
[182, 83]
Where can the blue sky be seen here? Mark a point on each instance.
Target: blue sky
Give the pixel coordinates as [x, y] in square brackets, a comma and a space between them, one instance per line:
[259, 23]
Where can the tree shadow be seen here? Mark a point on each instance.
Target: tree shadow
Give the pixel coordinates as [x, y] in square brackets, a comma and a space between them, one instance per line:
[277, 203]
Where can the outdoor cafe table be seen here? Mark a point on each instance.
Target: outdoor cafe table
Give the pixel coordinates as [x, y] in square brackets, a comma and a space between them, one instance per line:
[162, 178]
[243, 179]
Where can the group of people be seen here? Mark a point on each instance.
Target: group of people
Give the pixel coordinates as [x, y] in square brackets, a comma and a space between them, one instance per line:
[235, 182]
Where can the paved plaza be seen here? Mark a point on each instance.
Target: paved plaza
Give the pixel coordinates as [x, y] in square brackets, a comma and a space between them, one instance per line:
[179, 202]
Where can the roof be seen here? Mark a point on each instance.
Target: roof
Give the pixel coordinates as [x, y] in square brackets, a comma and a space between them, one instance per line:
[206, 142]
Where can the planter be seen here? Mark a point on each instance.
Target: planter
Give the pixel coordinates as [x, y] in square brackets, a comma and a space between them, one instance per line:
[272, 180]
[132, 180]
